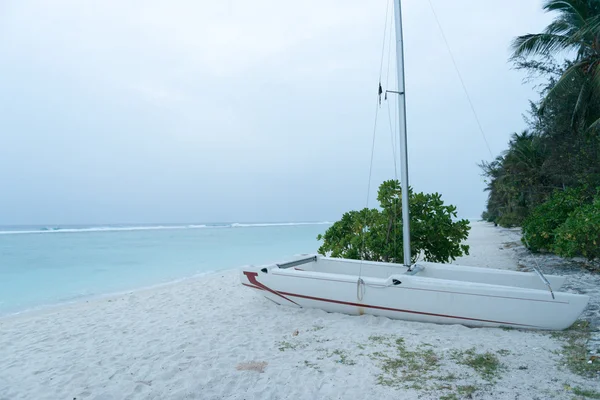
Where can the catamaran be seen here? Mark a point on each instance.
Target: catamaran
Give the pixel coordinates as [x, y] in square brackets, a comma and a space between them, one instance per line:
[421, 291]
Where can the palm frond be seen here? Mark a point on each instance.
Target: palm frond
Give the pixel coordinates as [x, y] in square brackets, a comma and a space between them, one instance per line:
[594, 127]
[592, 103]
[568, 81]
[594, 72]
[560, 27]
[540, 43]
[577, 9]
[585, 93]
[591, 28]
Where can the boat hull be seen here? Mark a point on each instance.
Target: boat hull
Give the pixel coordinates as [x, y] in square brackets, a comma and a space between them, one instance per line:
[416, 298]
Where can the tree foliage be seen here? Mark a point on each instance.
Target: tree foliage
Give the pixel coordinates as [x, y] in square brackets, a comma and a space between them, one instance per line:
[516, 180]
[580, 234]
[539, 229]
[376, 234]
[546, 179]
[575, 29]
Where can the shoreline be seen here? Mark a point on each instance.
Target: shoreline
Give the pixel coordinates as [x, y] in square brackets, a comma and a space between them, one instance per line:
[85, 299]
[48, 270]
[466, 260]
[210, 338]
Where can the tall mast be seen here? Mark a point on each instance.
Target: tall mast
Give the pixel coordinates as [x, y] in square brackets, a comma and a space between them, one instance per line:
[403, 144]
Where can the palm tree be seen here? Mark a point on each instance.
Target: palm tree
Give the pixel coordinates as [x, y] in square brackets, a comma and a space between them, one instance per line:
[576, 28]
[516, 180]
[524, 162]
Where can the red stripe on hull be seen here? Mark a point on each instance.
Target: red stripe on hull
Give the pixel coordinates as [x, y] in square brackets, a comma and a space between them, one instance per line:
[252, 278]
[381, 308]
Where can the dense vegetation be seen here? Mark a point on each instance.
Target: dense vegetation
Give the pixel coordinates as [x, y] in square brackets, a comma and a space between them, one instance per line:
[549, 178]
[376, 234]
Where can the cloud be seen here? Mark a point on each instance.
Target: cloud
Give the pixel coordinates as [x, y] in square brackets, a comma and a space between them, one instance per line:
[140, 104]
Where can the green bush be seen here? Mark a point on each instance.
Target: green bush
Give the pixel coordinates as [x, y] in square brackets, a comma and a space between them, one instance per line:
[580, 234]
[376, 234]
[539, 228]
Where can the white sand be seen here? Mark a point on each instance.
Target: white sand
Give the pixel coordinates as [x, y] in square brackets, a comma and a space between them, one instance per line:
[184, 341]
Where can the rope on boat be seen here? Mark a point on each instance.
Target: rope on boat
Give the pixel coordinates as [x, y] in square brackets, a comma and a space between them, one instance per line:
[462, 82]
[360, 282]
[537, 269]
[360, 289]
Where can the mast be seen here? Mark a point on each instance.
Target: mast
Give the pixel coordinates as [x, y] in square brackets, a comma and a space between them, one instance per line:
[402, 125]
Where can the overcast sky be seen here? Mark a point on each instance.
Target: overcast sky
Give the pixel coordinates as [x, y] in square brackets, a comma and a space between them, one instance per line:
[237, 110]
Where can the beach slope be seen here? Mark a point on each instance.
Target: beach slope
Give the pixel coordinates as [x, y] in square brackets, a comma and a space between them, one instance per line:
[210, 338]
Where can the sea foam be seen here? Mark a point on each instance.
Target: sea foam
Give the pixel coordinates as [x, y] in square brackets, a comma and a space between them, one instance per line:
[108, 228]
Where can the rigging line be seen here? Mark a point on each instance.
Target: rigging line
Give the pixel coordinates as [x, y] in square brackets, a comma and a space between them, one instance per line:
[396, 178]
[377, 104]
[393, 134]
[387, 10]
[372, 156]
[392, 130]
[462, 82]
[389, 59]
[368, 196]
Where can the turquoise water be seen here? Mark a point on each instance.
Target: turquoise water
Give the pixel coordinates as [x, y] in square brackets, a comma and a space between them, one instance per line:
[46, 265]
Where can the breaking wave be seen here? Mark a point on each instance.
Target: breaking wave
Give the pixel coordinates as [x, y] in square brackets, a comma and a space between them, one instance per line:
[109, 228]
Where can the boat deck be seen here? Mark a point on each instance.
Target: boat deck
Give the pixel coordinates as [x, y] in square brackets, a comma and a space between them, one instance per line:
[449, 272]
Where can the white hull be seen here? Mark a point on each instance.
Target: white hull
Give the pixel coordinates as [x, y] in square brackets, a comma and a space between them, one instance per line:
[439, 293]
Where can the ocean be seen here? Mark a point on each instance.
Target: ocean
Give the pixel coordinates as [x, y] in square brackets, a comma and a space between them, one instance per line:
[42, 266]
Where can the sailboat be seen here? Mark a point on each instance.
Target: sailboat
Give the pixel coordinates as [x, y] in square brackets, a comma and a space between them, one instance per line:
[424, 291]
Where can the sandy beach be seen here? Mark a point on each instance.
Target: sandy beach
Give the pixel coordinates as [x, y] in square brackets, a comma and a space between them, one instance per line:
[210, 338]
